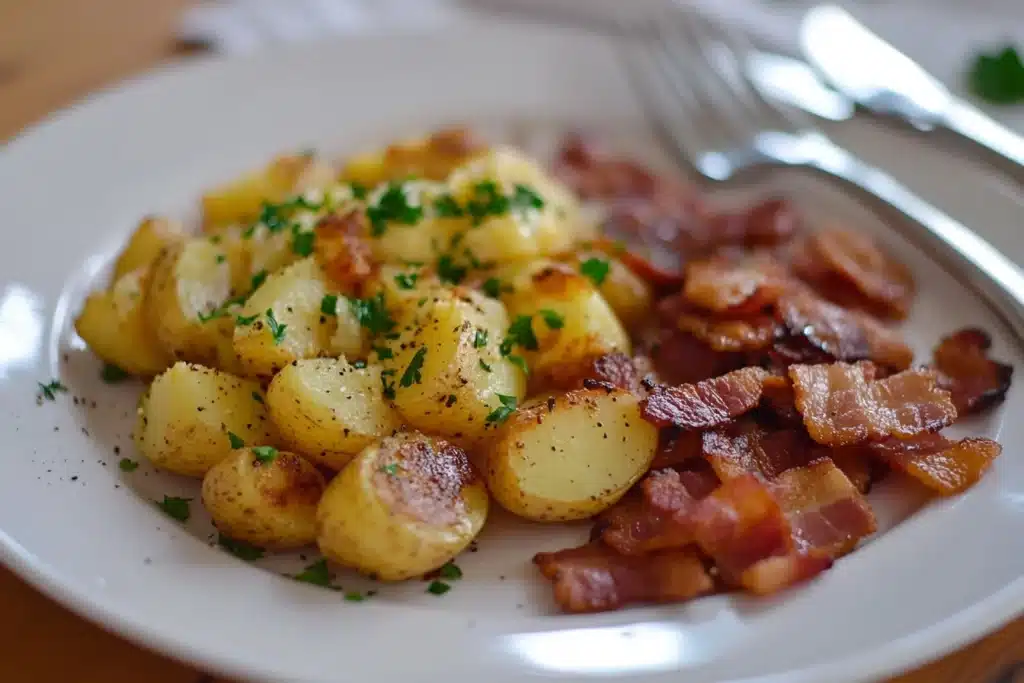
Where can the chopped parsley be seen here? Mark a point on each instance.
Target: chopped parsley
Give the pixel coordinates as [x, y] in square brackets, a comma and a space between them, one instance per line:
[524, 198]
[243, 320]
[391, 469]
[175, 508]
[485, 366]
[128, 465]
[998, 78]
[392, 207]
[519, 362]
[450, 401]
[412, 373]
[235, 441]
[221, 258]
[387, 386]
[257, 397]
[372, 314]
[383, 352]
[502, 412]
[480, 339]
[358, 190]
[446, 207]
[552, 319]
[218, 312]
[302, 243]
[406, 280]
[448, 271]
[596, 269]
[50, 391]
[258, 279]
[111, 374]
[277, 330]
[520, 333]
[438, 588]
[265, 454]
[492, 287]
[329, 304]
[240, 549]
[450, 571]
[354, 596]
[316, 574]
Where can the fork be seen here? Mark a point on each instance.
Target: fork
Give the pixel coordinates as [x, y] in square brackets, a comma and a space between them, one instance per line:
[688, 74]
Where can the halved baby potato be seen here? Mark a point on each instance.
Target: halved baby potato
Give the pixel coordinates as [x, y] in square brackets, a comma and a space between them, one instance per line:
[149, 239]
[402, 507]
[569, 457]
[328, 410]
[625, 291]
[264, 497]
[186, 415]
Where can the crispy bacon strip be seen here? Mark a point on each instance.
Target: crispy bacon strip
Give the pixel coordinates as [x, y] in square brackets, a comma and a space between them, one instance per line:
[706, 404]
[767, 223]
[734, 289]
[773, 574]
[944, 466]
[594, 578]
[676, 447]
[681, 358]
[611, 369]
[747, 448]
[747, 334]
[975, 381]
[841, 406]
[778, 402]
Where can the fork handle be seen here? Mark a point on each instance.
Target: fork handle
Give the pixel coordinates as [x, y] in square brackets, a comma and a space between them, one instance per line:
[991, 275]
[1002, 148]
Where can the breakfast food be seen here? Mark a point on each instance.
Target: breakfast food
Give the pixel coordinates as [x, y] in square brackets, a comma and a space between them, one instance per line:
[368, 356]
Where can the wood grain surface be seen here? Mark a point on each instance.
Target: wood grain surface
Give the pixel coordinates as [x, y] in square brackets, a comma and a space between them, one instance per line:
[52, 53]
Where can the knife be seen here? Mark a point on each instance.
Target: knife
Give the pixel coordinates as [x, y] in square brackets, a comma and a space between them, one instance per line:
[889, 84]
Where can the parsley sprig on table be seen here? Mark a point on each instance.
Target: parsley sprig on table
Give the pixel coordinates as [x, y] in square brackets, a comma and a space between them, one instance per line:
[999, 77]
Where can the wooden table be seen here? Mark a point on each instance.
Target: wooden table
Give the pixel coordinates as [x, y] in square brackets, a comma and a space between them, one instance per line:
[51, 53]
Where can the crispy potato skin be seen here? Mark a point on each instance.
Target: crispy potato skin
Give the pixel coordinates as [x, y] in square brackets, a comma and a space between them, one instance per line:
[184, 418]
[402, 507]
[271, 504]
[328, 410]
[152, 235]
[570, 456]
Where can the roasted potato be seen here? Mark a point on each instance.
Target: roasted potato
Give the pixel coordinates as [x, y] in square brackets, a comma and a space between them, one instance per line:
[185, 417]
[149, 239]
[402, 507]
[625, 291]
[445, 369]
[419, 234]
[432, 158]
[571, 456]
[114, 325]
[264, 497]
[328, 410]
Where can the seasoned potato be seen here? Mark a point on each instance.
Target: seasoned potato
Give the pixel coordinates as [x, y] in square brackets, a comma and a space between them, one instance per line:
[185, 417]
[149, 239]
[114, 326]
[189, 279]
[286, 321]
[227, 359]
[417, 235]
[240, 200]
[433, 158]
[569, 318]
[402, 507]
[445, 368]
[264, 497]
[328, 410]
[571, 456]
[625, 291]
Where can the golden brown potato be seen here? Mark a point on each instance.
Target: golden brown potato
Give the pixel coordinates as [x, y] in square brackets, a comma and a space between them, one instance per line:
[625, 291]
[569, 457]
[328, 410]
[432, 158]
[149, 239]
[186, 416]
[402, 507]
[264, 497]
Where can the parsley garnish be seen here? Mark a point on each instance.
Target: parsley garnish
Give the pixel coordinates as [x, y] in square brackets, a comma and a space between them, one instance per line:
[596, 269]
[240, 549]
[258, 279]
[265, 454]
[525, 198]
[450, 571]
[316, 574]
[520, 333]
[235, 441]
[438, 588]
[388, 387]
[49, 391]
[221, 258]
[358, 190]
[998, 78]
[111, 374]
[502, 412]
[372, 314]
[406, 280]
[128, 465]
[392, 207]
[383, 352]
[552, 319]
[256, 397]
[519, 362]
[391, 469]
[487, 201]
[450, 401]
[412, 373]
[176, 508]
[359, 364]
[485, 366]
[218, 312]
[353, 596]
[276, 328]
[329, 304]
[448, 271]
[446, 207]
[243, 320]
[302, 243]
[480, 339]
[492, 287]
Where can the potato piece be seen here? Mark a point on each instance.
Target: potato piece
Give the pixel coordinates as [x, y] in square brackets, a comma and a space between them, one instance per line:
[227, 359]
[570, 320]
[402, 507]
[185, 417]
[446, 370]
[433, 158]
[149, 239]
[264, 497]
[417, 234]
[350, 338]
[287, 323]
[189, 279]
[625, 291]
[328, 410]
[571, 456]
[240, 201]
[114, 326]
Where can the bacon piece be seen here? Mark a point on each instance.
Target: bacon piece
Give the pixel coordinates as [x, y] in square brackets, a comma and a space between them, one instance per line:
[975, 381]
[841, 405]
[681, 358]
[593, 578]
[706, 404]
[767, 223]
[610, 369]
[734, 290]
[777, 573]
[676, 447]
[343, 251]
[840, 333]
[747, 448]
[779, 401]
[730, 335]
[944, 466]
[859, 466]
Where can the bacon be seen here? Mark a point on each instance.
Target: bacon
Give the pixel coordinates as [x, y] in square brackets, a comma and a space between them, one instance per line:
[777, 573]
[975, 381]
[676, 447]
[779, 402]
[706, 404]
[734, 290]
[859, 465]
[593, 578]
[344, 252]
[842, 334]
[768, 223]
[747, 448]
[748, 334]
[944, 466]
[681, 358]
[842, 405]
[610, 369]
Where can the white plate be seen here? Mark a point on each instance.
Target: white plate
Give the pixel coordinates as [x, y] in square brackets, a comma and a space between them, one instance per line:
[86, 534]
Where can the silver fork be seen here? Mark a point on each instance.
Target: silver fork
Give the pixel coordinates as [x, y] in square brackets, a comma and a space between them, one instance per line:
[688, 73]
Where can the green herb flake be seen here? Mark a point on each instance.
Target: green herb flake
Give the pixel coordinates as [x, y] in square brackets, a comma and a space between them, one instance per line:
[519, 362]
[220, 258]
[128, 465]
[111, 374]
[450, 401]
[240, 549]
[257, 397]
[438, 588]
[372, 314]
[383, 352]
[258, 279]
[219, 312]
[329, 304]
[406, 280]
[492, 287]
[480, 339]
[277, 330]
[485, 366]
[235, 441]
[525, 198]
[243, 320]
[392, 207]
[596, 269]
[412, 373]
[502, 412]
[359, 190]
[49, 391]
[450, 572]
[520, 333]
[387, 386]
[487, 201]
[175, 508]
[445, 206]
[391, 469]
[302, 243]
[316, 574]
[265, 454]
[998, 78]
[359, 364]
[449, 271]
[353, 596]
[552, 319]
